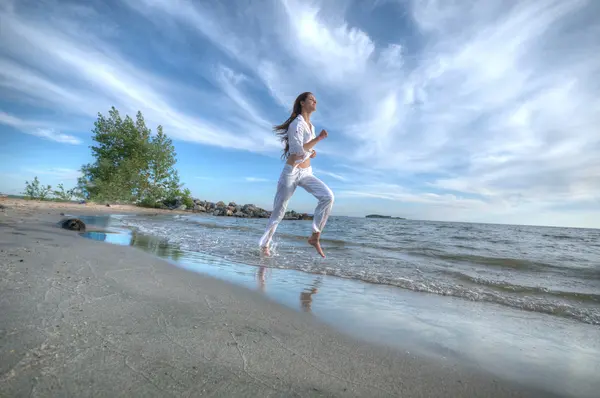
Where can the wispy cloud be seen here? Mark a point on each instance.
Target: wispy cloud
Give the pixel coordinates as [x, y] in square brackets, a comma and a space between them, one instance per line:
[256, 179]
[53, 135]
[397, 193]
[337, 176]
[95, 76]
[55, 172]
[32, 127]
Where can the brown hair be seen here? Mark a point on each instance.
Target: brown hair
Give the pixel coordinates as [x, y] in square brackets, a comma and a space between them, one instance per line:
[281, 130]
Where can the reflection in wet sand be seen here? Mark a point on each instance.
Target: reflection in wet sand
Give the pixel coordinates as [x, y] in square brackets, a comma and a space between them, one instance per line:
[306, 295]
[260, 277]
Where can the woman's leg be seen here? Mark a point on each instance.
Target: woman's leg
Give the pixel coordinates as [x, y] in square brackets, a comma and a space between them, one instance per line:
[325, 196]
[285, 189]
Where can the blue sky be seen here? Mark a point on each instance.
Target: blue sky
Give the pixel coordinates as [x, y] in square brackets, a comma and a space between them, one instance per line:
[446, 110]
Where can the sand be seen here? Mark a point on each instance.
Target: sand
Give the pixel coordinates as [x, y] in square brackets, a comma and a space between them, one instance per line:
[84, 318]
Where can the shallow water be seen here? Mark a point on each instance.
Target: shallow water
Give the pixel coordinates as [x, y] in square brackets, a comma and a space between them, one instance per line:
[484, 328]
[540, 269]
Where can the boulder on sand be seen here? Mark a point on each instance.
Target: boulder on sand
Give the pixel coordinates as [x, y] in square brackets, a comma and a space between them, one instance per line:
[73, 224]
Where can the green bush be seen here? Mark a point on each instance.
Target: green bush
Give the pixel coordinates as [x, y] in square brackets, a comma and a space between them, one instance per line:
[35, 191]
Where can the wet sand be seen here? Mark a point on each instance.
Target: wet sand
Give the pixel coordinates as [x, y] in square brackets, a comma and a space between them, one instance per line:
[85, 318]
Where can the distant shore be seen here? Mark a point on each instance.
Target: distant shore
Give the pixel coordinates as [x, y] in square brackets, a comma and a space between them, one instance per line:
[380, 216]
[30, 207]
[81, 317]
[202, 207]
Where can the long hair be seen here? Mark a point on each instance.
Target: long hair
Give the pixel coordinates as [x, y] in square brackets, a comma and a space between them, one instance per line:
[281, 130]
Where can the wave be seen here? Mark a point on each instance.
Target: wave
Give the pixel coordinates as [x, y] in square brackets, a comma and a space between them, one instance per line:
[505, 262]
[542, 291]
[541, 300]
[528, 303]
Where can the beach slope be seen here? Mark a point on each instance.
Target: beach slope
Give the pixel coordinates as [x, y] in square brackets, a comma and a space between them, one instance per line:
[84, 318]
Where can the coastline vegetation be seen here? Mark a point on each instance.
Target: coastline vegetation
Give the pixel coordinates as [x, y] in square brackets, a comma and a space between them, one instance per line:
[130, 166]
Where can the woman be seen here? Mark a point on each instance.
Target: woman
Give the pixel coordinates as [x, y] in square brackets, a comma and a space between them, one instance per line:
[298, 134]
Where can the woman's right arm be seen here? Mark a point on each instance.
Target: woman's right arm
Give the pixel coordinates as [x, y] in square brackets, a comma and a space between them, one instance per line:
[296, 138]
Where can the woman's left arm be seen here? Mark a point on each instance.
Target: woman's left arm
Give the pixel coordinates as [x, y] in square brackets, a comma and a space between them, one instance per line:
[310, 144]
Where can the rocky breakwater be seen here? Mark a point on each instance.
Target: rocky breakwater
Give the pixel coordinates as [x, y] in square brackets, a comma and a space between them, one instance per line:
[242, 211]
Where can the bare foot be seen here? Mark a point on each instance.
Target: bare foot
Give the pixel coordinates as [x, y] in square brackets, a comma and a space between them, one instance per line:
[266, 251]
[314, 241]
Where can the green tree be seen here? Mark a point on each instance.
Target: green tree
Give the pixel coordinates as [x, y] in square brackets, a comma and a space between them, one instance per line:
[130, 164]
[33, 190]
[63, 194]
[162, 180]
[186, 198]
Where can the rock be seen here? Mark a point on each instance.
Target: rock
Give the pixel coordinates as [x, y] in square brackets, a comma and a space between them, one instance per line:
[182, 207]
[292, 215]
[242, 211]
[107, 205]
[73, 224]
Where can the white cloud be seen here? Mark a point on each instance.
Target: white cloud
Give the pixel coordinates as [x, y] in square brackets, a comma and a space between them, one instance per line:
[10, 120]
[337, 176]
[256, 179]
[52, 135]
[55, 172]
[32, 128]
[340, 53]
[397, 193]
[93, 66]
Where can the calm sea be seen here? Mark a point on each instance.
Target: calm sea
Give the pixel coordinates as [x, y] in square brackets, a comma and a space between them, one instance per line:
[548, 270]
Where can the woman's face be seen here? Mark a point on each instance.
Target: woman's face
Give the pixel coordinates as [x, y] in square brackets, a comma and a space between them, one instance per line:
[310, 104]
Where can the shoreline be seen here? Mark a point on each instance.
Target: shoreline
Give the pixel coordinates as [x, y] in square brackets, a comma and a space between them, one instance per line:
[25, 207]
[200, 208]
[80, 315]
[506, 342]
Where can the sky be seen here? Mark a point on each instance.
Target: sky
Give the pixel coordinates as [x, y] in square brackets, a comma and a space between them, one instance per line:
[452, 110]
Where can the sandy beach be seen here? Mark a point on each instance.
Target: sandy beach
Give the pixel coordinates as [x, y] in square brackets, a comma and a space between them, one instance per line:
[85, 318]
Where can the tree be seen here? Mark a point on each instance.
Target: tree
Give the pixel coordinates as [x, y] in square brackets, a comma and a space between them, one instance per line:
[162, 183]
[33, 190]
[61, 194]
[130, 164]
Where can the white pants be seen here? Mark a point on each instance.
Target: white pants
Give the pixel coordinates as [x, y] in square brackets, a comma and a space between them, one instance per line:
[289, 180]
